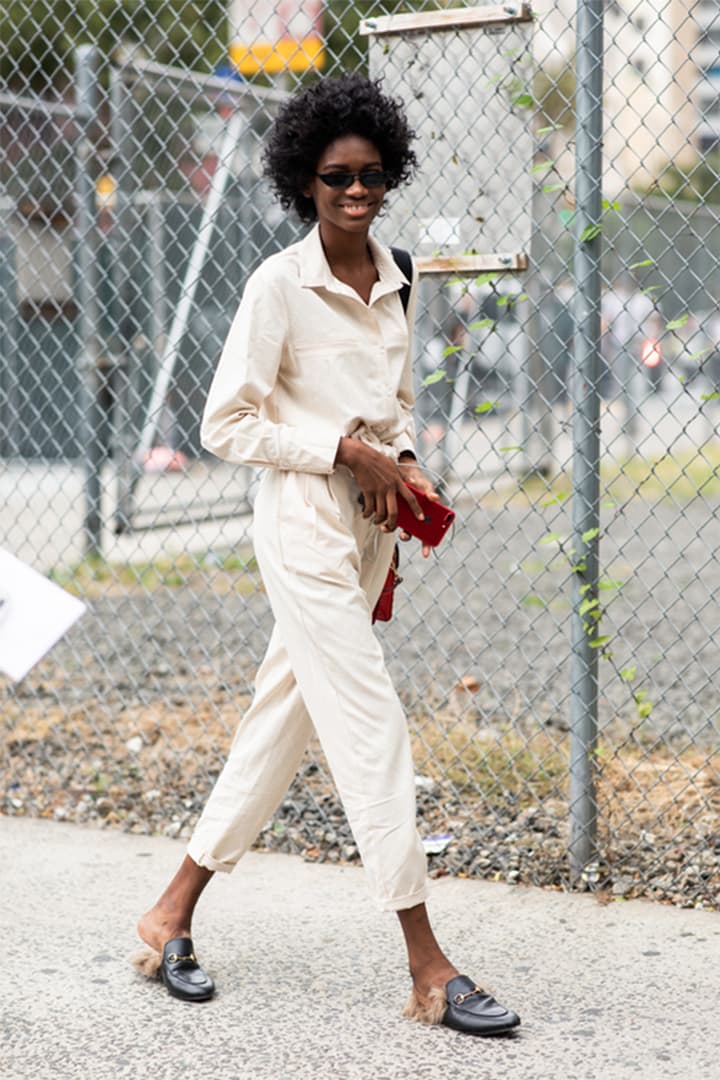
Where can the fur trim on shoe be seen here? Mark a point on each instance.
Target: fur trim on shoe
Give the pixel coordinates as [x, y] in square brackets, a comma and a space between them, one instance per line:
[432, 1013]
[147, 961]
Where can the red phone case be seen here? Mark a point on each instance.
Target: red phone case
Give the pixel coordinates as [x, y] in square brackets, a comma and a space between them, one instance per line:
[438, 518]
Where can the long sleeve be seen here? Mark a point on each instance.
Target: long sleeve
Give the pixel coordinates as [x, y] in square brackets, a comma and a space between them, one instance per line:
[237, 424]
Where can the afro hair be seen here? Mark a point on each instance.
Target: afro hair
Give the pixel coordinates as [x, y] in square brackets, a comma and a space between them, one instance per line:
[309, 121]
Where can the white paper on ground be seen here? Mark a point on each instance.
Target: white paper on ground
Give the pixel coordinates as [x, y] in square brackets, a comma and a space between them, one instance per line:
[34, 614]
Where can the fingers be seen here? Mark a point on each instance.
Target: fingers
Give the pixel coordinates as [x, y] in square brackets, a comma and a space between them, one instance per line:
[387, 517]
[391, 511]
[382, 508]
[413, 474]
[412, 502]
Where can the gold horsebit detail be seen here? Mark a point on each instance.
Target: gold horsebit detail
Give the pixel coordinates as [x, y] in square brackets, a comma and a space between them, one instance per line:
[174, 957]
[459, 998]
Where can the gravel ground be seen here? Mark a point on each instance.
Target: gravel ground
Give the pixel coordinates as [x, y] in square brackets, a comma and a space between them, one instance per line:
[127, 721]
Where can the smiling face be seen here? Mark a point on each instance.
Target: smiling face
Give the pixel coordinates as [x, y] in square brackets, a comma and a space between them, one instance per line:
[349, 209]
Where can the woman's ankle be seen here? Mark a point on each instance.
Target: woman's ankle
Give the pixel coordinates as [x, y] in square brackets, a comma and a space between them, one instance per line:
[430, 973]
[156, 927]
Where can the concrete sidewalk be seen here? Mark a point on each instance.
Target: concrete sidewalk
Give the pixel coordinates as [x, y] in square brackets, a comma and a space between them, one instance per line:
[311, 978]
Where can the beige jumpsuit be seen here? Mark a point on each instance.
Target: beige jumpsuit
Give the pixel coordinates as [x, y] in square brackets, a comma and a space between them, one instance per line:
[305, 362]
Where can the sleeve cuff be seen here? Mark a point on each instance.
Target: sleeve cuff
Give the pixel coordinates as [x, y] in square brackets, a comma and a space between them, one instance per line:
[404, 445]
[297, 453]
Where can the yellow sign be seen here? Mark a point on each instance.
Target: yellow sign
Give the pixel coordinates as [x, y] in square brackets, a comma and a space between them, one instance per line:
[285, 55]
[105, 192]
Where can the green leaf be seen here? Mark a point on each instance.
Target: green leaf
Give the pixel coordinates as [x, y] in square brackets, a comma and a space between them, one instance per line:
[710, 397]
[590, 232]
[551, 538]
[578, 568]
[533, 601]
[650, 290]
[644, 262]
[609, 583]
[644, 709]
[451, 350]
[486, 406]
[433, 377]
[588, 605]
[589, 534]
[521, 297]
[503, 301]
[675, 324]
[543, 166]
[507, 449]
[548, 188]
[698, 354]
[599, 642]
[485, 279]
[482, 324]
[607, 205]
[561, 495]
[628, 673]
[640, 695]
[453, 281]
[524, 101]
[547, 130]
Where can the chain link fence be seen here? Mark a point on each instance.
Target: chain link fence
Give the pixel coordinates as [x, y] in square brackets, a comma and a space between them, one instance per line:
[132, 209]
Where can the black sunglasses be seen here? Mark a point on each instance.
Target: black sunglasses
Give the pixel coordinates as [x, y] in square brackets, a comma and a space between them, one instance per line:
[369, 178]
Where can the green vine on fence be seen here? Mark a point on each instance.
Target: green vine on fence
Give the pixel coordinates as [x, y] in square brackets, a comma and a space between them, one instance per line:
[591, 610]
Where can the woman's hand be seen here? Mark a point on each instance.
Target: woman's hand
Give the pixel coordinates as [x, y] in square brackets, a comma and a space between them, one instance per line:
[413, 474]
[380, 480]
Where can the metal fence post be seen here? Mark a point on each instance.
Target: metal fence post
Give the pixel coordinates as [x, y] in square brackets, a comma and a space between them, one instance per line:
[586, 449]
[129, 391]
[86, 90]
[9, 433]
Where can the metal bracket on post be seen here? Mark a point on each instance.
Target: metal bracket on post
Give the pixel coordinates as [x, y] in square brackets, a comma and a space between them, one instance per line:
[586, 450]
[86, 91]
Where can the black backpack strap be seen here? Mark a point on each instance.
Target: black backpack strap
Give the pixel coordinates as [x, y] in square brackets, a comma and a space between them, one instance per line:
[404, 262]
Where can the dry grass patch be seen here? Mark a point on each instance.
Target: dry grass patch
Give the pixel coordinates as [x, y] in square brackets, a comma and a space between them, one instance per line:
[658, 788]
[91, 578]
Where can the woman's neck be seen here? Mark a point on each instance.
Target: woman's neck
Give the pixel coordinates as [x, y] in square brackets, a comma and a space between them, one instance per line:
[345, 249]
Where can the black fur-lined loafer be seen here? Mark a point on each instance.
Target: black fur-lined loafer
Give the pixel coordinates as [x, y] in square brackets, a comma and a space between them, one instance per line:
[181, 973]
[463, 1006]
[474, 1011]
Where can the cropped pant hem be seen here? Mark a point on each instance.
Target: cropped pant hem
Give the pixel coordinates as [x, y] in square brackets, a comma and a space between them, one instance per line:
[402, 903]
[209, 863]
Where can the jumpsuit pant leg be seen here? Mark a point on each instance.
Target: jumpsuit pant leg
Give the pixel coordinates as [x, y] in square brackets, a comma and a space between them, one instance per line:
[323, 566]
[265, 754]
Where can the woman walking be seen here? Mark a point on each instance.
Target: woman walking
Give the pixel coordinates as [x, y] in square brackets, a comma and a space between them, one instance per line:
[314, 384]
